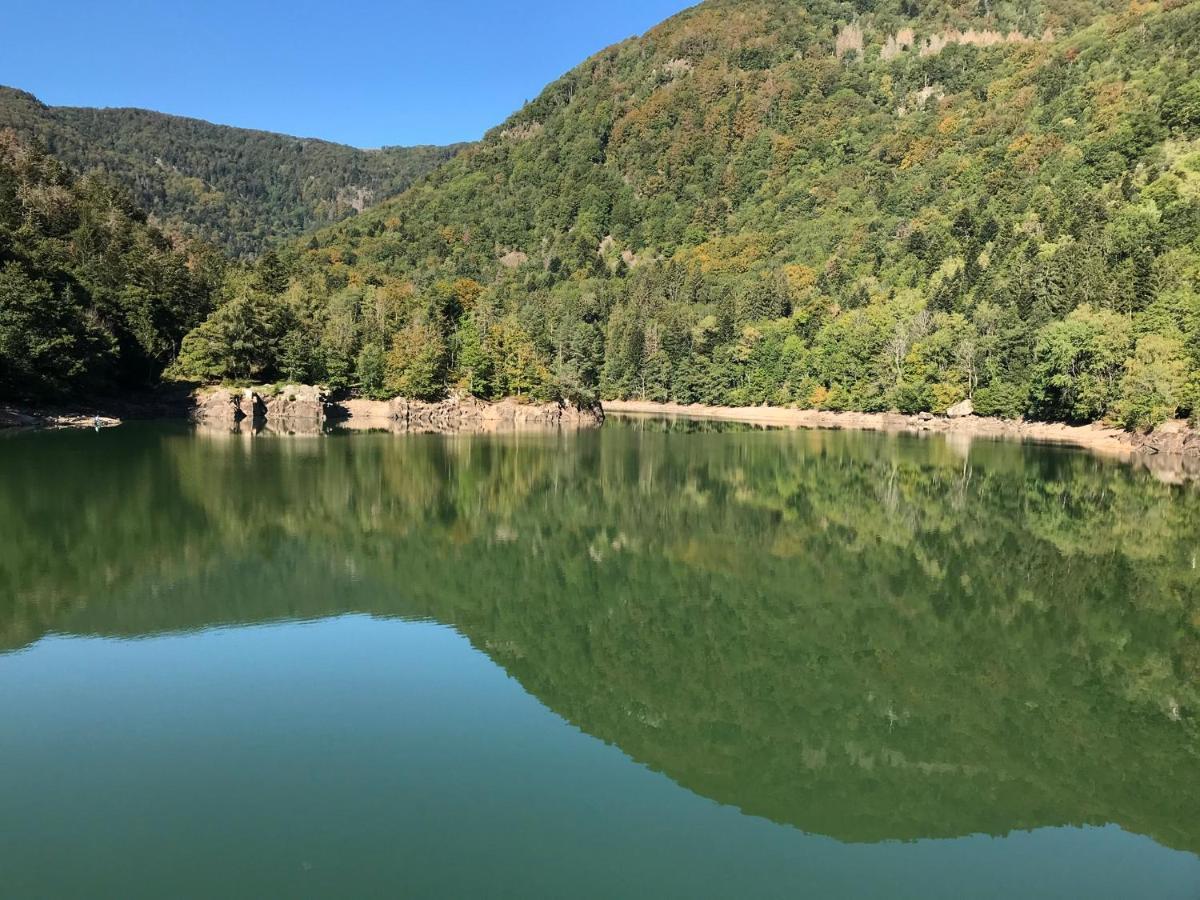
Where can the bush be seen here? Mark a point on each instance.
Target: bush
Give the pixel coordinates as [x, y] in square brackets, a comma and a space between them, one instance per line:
[1155, 377]
[912, 398]
[1000, 398]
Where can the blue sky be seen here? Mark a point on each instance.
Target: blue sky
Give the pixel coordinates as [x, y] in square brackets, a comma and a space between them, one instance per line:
[363, 72]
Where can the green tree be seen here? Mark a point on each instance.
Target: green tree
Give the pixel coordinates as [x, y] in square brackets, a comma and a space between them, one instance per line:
[1153, 387]
[371, 368]
[46, 344]
[1080, 363]
[416, 364]
[240, 341]
[474, 366]
[519, 371]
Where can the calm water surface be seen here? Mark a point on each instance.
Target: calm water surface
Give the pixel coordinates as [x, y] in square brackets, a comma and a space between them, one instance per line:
[649, 661]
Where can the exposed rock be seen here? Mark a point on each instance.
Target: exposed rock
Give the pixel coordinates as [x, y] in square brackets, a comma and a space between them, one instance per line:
[960, 409]
[217, 405]
[522, 132]
[1172, 437]
[294, 402]
[513, 259]
[676, 68]
[252, 405]
[470, 414]
[901, 40]
[849, 40]
[919, 98]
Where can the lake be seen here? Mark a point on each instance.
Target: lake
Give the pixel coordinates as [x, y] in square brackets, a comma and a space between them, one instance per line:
[658, 659]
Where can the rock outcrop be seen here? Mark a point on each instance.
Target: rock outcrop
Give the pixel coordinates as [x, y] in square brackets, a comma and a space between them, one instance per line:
[217, 405]
[470, 414]
[1172, 437]
[18, 417]
[293, 402]
[460, 414]
[304, 409]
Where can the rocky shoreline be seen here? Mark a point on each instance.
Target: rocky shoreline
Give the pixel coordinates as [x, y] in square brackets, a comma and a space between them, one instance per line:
[305, 409]
[20, 417]
[461, 414]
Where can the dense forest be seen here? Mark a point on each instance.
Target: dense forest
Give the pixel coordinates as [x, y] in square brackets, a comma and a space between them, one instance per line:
[872, 205]
[92, 298]
[234, 187]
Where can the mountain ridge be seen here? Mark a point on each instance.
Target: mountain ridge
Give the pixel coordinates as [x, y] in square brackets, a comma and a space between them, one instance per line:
[240, 188]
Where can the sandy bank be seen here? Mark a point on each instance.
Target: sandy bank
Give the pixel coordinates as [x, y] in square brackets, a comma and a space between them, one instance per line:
[1097, 438]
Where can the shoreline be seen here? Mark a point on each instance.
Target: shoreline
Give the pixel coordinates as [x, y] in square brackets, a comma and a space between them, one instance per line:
[1097, 438]
[1173, 438]
[23, 418]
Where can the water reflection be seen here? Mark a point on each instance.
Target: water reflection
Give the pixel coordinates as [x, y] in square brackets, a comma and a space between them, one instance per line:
[864, 636]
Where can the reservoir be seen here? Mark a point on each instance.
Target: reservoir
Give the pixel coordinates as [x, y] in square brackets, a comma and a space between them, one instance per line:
[657, 659]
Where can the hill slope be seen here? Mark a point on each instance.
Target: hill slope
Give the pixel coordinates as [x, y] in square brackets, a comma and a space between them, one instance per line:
[871, 205]
[92, 296]
[238, 188]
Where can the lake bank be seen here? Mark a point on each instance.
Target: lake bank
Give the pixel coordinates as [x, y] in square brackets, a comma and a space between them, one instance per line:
[307, 408]
[21, 417]
[1173, 437]
[300, 409]
[166, 401]
[296, 405]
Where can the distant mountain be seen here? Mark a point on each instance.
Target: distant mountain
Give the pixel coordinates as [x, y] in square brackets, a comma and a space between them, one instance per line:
[237, 188]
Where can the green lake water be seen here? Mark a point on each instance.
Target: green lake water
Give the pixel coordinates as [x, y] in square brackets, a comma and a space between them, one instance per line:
[653, 660]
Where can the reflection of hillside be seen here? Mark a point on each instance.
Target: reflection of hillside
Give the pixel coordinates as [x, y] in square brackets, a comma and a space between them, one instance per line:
[859, 635]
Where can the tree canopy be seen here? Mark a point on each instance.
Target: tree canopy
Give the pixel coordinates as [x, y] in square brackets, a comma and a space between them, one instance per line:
[92, 297]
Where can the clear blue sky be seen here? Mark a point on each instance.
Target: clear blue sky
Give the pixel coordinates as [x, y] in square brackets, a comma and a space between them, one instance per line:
[363, 72]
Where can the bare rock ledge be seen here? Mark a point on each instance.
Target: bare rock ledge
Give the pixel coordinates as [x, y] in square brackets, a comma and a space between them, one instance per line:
[461, 414]
[300, 407]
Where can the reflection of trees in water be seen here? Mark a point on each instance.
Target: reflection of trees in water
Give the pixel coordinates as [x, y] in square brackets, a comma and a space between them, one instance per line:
[857, 634]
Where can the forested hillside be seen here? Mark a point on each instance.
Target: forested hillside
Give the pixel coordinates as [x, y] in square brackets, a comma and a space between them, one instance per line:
[864, 205]
[237, 188]
[92, 298]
